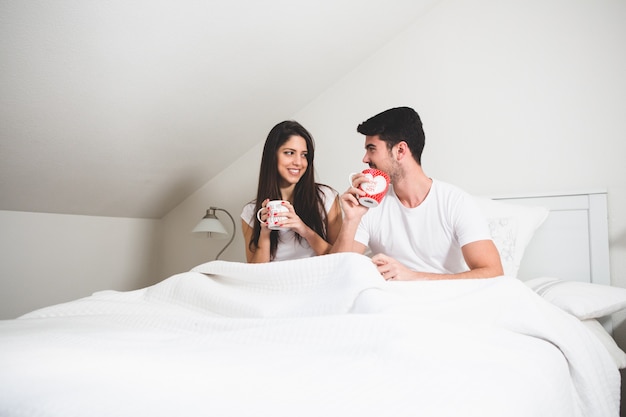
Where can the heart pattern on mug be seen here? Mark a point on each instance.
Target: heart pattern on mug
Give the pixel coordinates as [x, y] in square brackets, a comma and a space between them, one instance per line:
[375, 185]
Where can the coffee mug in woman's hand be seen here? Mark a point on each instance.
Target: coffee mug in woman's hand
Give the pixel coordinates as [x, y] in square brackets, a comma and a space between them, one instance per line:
[375, 188]
[274, 208]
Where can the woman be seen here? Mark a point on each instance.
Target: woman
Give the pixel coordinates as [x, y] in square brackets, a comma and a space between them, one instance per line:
[314, 217]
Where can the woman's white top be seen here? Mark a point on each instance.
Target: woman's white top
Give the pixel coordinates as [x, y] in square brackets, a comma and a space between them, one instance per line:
[288, 246]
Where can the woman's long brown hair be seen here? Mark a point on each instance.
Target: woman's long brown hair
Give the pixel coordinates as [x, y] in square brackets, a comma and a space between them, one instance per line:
[308, 199]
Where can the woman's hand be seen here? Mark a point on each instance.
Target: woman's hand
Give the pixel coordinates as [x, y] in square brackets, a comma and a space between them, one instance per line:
[292, 221]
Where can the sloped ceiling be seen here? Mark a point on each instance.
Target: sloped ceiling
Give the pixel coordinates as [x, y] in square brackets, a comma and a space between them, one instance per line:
[124, 108]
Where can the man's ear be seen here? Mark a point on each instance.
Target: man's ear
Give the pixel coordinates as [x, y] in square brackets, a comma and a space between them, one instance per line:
[402, 150]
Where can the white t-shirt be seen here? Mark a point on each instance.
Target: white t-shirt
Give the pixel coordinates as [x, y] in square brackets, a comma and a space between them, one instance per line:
[288, 246]
[429, 237]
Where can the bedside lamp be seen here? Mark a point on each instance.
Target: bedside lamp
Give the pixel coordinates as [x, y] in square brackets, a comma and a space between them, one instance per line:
[213, 227]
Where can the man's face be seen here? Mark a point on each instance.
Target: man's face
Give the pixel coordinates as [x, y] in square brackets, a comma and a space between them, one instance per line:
[376, 153]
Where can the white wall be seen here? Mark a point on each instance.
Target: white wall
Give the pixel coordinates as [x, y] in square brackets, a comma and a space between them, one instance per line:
[51, 258]
[230, 190]
[517, 96]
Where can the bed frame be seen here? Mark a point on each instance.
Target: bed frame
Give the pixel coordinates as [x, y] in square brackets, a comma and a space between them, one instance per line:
[573, 242]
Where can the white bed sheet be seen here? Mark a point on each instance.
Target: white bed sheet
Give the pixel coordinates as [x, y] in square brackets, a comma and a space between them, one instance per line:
[320, 336]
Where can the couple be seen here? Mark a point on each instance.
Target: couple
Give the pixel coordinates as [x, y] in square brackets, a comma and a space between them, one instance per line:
[423, 228]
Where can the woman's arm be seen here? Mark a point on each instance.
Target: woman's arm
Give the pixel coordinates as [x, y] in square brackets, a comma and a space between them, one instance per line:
[335, 218]
[317, 243]
[262, 252]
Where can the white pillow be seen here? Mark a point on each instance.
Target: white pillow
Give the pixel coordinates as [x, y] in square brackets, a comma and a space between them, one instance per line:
[581, 299]
[512, 227]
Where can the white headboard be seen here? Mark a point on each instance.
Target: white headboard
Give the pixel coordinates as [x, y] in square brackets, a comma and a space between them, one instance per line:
[573, 242]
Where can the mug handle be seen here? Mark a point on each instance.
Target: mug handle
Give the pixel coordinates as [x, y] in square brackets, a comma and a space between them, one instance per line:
[350, 177]
[258, 214]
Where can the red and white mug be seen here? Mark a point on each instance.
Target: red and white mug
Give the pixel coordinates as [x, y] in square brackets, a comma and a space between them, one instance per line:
[376, 187]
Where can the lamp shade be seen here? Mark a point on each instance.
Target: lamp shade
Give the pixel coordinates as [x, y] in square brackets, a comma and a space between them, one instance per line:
[213, 227]
[210, 224]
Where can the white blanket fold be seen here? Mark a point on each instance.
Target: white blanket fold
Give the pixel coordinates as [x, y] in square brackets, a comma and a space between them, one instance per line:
[319, 336]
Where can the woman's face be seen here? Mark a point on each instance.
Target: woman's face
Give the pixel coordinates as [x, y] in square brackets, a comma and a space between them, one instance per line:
[292, 162]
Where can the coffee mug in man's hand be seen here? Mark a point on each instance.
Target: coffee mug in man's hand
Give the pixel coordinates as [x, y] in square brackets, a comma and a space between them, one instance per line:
[274, 208]
[376, 187]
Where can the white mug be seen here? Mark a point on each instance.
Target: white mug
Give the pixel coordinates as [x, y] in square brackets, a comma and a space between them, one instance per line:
[274, 220]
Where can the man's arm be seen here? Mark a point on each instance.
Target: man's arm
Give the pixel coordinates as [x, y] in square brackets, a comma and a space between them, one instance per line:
[481, 257]
[345, 241]
[353, 212]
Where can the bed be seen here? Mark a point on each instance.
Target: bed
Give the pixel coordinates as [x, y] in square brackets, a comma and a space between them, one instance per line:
[327, 336]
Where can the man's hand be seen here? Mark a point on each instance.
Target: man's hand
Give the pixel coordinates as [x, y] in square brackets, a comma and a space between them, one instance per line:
[392, 270]
[352, 209]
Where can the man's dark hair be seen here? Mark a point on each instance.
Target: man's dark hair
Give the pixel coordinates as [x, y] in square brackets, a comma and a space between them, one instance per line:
[396, 125]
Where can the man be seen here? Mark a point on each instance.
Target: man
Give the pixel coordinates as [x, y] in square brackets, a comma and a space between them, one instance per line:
[423, 228]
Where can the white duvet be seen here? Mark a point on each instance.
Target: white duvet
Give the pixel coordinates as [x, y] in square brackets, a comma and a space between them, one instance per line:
[323, 336]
